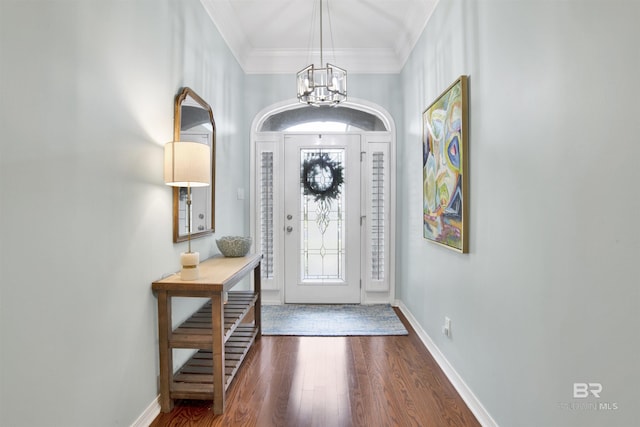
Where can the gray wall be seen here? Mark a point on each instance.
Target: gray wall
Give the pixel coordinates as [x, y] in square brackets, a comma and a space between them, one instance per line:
[547, 297]
[548, 294]
[86, 105]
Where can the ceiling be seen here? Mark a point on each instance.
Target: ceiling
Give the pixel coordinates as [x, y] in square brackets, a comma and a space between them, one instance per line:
[282, 36]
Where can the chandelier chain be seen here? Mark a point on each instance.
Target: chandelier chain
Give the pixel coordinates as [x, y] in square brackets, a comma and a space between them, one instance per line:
[321, 58]
[312, 32]
[331, 42]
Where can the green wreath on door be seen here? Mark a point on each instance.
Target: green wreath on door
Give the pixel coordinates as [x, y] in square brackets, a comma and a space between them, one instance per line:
[322, 177]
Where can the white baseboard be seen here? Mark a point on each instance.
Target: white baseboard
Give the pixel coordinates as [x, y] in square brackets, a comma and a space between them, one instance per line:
[149, 414]
[483, 416]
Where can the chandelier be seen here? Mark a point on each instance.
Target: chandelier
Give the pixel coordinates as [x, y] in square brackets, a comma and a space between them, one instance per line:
[322, 86]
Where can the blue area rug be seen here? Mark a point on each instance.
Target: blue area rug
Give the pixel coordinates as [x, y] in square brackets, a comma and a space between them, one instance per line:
[330, 320]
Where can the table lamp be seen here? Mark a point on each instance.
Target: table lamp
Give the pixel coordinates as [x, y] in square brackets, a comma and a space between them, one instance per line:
[187, 164]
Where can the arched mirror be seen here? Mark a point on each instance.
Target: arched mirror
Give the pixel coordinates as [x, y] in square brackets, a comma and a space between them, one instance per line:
[193, 121]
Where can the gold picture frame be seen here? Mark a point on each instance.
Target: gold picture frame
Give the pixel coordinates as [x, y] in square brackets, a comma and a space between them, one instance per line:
[445, 174]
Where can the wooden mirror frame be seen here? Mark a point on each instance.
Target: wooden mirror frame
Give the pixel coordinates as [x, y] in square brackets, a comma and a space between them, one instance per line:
[177, 122]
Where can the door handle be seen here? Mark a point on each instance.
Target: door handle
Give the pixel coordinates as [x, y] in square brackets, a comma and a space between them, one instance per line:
[289, 229]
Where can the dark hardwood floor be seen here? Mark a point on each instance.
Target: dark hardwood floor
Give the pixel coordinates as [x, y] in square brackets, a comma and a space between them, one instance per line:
[333, 382]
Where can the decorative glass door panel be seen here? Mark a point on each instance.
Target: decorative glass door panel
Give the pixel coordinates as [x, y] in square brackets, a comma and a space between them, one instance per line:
[322, 209]
[321, 215]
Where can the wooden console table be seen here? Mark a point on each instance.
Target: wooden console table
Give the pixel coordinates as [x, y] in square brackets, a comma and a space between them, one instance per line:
[217, 330]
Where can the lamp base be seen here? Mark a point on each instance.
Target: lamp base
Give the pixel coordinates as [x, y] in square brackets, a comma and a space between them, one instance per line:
[190, 261]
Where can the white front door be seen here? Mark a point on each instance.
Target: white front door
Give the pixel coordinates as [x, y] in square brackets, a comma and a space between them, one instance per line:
[322, 218]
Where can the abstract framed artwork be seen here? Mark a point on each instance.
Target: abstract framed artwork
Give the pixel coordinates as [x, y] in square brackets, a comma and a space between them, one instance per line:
[444, 168]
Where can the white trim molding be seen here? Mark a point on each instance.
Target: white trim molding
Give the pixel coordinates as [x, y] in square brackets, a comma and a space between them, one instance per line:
[480, 412]
[262, 141]
[146, 418]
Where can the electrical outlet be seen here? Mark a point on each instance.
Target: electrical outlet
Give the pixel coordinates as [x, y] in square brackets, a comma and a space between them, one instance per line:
[446, 329]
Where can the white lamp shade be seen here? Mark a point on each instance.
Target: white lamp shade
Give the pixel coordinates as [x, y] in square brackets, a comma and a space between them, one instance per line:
[187, 164]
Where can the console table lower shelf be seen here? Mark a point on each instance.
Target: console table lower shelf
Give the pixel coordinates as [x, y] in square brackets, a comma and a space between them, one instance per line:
[194, 380]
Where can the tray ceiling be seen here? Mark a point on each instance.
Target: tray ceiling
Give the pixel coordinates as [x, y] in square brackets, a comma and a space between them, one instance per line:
[282, 36]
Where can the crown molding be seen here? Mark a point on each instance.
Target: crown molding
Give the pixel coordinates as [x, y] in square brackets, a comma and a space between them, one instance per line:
[357, 61]
[227, 24]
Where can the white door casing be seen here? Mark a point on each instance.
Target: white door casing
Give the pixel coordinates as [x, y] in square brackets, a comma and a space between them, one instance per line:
[377, 209]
